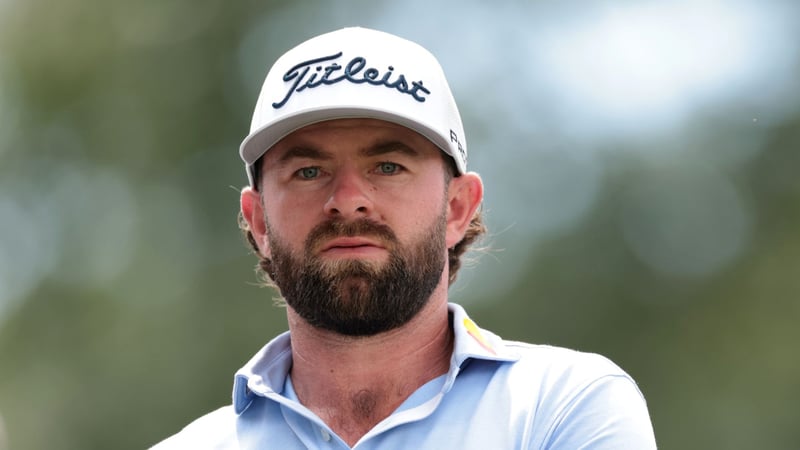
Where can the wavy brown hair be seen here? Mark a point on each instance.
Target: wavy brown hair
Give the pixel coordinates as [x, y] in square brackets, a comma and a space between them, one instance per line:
[475, 230]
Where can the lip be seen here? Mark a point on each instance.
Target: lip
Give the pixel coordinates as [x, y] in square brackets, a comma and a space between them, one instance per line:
[351, 243]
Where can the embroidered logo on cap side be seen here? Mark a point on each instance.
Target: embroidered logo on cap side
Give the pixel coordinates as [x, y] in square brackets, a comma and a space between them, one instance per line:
[355, 71]
[463, 151]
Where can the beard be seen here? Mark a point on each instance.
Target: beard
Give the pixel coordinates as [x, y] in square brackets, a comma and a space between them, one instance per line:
[355, 297]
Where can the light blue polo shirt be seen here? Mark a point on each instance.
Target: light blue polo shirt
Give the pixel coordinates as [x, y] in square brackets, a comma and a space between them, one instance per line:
[497, 395]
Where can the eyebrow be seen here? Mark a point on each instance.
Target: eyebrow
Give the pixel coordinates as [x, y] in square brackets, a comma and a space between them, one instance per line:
[389, 147]
[382, 148]
[304, 152]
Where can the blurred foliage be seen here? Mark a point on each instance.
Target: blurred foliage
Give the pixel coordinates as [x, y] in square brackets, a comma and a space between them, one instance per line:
[715, 357]
[128, 299]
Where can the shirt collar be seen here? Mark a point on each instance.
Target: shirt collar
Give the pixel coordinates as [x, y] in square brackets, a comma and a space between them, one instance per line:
[265, 374]
[474, 342]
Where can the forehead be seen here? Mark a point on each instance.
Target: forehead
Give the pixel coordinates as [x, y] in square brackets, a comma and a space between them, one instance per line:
[341, 135]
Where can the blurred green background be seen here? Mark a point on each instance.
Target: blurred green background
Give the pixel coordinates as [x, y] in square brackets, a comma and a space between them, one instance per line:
[641, 165]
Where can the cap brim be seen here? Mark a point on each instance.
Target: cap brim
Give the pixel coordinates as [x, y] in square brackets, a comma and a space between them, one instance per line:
[257, 143]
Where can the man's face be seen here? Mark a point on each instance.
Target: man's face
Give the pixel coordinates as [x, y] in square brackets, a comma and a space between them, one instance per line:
[356, 217]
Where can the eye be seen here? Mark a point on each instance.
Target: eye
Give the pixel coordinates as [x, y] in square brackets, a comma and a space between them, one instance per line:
[388, 168]
[308, 173]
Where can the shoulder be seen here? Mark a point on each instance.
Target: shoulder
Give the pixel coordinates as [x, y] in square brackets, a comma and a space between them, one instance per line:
[563, 376]
[216, 429]
[581, 398]
[563, 363]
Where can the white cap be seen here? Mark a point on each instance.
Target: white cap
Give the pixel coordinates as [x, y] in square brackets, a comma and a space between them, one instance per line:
[355, 73]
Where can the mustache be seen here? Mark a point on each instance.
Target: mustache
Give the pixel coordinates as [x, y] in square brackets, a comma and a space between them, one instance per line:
[334, 228]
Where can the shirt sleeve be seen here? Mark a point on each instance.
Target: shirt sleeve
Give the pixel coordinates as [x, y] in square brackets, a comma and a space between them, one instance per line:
[609, 413]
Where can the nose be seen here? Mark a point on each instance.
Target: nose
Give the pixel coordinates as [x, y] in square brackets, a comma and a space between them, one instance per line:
[350, 196]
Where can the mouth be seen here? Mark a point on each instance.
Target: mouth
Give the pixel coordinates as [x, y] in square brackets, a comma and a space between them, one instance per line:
[351, 246]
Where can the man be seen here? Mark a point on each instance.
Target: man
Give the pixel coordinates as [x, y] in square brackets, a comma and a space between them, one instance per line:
[359, 207]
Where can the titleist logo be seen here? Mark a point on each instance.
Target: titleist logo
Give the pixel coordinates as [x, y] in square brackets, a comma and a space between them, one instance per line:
[355, 71]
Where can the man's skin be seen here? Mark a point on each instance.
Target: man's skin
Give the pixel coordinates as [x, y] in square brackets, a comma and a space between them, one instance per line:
[349, 169]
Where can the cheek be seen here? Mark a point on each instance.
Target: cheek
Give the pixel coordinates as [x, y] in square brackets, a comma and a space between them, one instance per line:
[291, 218]
[416, 219]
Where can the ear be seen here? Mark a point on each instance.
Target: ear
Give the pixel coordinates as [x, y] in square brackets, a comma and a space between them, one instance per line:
[253, 214]
[464, 197]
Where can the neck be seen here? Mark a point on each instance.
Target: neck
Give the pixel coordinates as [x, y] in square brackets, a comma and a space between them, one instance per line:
[352, 383]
